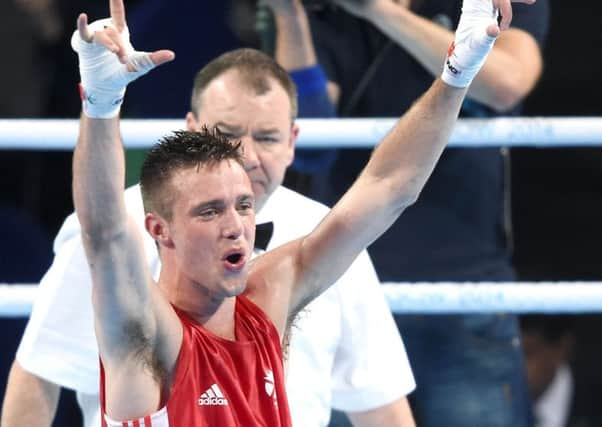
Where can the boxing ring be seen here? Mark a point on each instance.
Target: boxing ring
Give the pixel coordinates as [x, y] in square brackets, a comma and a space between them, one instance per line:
[518, 297]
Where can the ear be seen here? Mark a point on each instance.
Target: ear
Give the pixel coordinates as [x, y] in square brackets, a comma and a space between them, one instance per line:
[158, 228]
[192, 125]
[292, 142]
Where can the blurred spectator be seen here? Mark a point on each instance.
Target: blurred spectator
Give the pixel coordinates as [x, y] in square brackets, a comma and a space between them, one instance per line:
[560, 398]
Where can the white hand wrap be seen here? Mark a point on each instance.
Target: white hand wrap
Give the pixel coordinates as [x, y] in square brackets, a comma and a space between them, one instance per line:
[472, 44]
[103, 77]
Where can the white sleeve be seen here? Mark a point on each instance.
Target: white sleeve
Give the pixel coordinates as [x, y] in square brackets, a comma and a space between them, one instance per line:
[371, 367]
[59, 343]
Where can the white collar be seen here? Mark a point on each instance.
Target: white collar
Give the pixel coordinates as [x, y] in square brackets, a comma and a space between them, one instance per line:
[553, 407]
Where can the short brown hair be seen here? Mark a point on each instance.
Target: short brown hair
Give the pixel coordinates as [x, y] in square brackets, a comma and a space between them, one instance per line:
[177, 151]
[256, 69]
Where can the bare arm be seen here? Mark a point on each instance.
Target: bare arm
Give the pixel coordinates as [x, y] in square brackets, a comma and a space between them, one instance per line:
[296, 273]
[29, 401]
[397, 413]
[294, 45]
[392, 180]
[396, 172]
[510, 72]
[121, 293]
[137, 332]
[109, 238]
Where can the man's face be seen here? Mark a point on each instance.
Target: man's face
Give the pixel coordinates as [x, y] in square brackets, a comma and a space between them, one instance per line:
[213, 226]
[262, 122]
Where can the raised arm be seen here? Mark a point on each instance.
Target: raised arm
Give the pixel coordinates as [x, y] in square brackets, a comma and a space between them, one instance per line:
[392, 181]
[400, 165]
[136, 330]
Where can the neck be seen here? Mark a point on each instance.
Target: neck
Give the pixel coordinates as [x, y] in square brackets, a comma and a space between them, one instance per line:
[216, 314]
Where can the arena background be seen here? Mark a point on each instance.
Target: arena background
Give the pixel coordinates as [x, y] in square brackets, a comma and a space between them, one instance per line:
[557, 193]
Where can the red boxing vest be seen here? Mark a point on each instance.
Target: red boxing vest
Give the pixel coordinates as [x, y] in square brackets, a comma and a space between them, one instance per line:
[224, 383]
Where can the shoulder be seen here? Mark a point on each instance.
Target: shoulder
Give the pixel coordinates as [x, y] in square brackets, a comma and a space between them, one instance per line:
[295, 215]
[257, 318]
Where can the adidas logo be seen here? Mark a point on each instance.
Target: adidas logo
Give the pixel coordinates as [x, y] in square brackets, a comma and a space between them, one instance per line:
[213, 396]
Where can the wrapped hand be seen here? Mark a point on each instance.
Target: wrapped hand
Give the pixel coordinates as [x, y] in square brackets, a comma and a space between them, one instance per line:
[108, 62]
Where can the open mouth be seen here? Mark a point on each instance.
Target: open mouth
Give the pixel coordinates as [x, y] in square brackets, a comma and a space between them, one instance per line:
[234, 261]
[234, 258]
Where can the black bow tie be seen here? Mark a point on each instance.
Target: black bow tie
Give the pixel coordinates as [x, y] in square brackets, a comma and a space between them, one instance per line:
[263, 234]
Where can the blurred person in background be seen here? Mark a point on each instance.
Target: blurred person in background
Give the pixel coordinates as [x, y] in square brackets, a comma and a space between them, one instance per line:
[560, 397]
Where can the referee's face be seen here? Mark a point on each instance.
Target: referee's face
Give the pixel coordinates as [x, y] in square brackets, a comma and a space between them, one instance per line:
[262, 121]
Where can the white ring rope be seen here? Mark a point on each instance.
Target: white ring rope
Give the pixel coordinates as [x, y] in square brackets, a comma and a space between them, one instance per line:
[25, 134]
[16, 300]
[427, 298]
